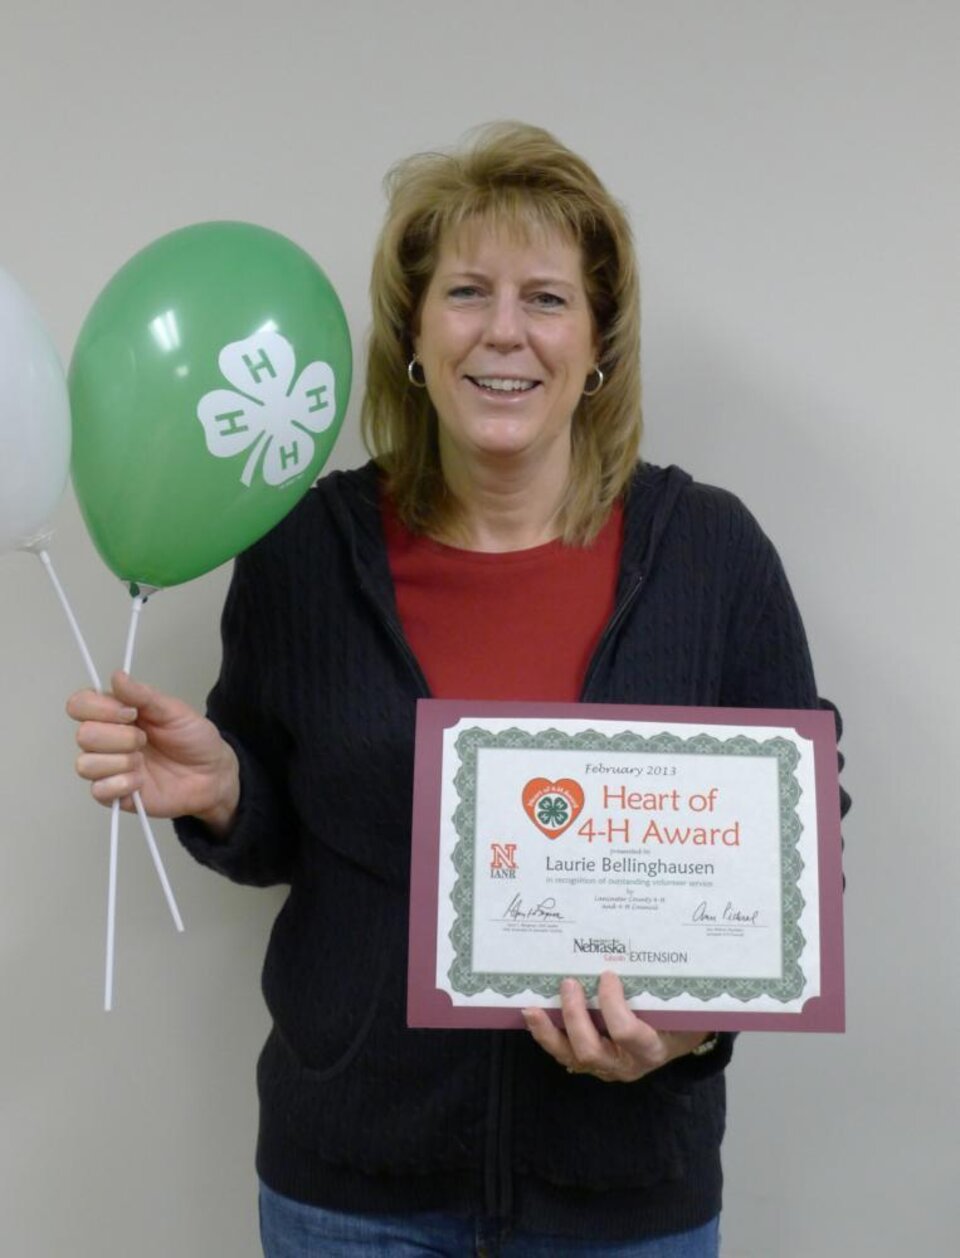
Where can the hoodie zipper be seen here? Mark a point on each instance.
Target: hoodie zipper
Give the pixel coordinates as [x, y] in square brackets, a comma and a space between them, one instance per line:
[404, 647]
[497, 1170]
[624, 606]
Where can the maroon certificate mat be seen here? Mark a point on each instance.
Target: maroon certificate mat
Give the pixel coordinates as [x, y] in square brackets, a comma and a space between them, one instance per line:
[695, 852]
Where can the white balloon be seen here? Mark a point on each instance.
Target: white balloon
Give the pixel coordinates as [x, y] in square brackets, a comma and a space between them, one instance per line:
[34, 422]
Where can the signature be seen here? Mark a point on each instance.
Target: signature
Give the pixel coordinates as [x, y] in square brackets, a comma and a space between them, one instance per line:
[546, 910]
[730, 913]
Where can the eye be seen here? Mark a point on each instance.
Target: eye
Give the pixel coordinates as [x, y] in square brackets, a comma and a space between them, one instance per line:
[548, 300]
[463, 292]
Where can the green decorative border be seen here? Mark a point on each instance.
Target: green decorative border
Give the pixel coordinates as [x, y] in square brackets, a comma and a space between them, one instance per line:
[467, 982]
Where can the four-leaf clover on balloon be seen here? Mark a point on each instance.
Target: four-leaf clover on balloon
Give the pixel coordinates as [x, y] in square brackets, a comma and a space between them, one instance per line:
[271, 411]
[552, 811]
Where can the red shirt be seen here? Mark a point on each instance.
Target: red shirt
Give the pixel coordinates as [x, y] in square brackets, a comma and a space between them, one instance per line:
[516, 625]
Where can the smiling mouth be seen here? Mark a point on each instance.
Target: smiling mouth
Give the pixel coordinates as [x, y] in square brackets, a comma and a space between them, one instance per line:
[509, 386]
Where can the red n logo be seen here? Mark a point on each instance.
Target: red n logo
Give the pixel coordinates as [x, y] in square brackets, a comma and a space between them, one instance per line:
[503, 855]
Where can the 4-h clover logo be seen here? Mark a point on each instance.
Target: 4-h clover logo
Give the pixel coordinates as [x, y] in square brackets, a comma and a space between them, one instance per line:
[270, 411]
[551, 805]
[552, 811]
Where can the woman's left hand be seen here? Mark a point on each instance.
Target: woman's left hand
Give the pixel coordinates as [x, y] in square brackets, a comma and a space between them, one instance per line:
[629, 1050]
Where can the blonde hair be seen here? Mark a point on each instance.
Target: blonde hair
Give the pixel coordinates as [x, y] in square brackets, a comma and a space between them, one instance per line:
[520, 178]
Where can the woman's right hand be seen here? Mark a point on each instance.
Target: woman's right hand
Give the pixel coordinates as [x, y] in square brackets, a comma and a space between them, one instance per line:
[140, 739]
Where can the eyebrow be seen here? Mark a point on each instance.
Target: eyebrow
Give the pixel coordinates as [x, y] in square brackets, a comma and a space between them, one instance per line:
[534, 281]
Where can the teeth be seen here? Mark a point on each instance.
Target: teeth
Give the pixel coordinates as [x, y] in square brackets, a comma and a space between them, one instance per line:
[502, 385]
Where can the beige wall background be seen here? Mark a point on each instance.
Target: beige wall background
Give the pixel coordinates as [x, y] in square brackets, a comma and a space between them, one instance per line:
[791, 172]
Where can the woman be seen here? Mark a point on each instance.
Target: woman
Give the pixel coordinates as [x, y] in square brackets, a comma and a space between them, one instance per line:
[503, 413]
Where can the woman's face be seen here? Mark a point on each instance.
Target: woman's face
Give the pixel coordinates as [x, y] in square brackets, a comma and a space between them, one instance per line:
[506, 339]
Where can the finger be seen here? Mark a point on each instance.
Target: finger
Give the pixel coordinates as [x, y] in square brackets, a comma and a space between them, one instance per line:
[640, 1047]
[623, 1025]
[95, 736]
[585, 1042]
[152, 705]
[121, 787]
[90, 705]
[550, 1038]
[629, 1050]
[100, 768]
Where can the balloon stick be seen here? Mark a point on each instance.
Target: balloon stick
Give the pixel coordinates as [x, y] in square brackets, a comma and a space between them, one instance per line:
[157, 862]
[115, 832]
[132, 627]
[111, 906]
[71, 619]
[138, 603]
[145, 826]
[95, 682]
[135, 610]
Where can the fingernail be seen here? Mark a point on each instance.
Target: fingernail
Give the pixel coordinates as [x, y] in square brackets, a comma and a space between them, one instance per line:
[525, 1014]
[128, 714]
[568, 987]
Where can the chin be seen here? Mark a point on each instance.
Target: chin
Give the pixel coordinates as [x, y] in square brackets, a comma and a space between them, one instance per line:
[503, 447]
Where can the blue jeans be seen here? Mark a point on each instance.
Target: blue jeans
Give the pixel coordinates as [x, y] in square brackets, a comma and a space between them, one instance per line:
[291, 1229]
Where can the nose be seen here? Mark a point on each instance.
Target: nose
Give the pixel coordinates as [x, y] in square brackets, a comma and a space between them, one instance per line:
[505, 327]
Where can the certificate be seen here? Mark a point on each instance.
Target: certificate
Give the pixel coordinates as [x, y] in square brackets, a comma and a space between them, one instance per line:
[695, 852]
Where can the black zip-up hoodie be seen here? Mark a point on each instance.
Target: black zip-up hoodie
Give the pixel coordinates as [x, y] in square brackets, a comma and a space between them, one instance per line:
[317, 693]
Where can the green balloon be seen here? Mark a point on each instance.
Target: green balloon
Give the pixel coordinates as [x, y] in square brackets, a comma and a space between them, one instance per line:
[207, 386]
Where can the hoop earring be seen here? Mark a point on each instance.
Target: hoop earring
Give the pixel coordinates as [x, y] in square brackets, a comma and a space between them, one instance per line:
[411, 376]
[597, 387]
